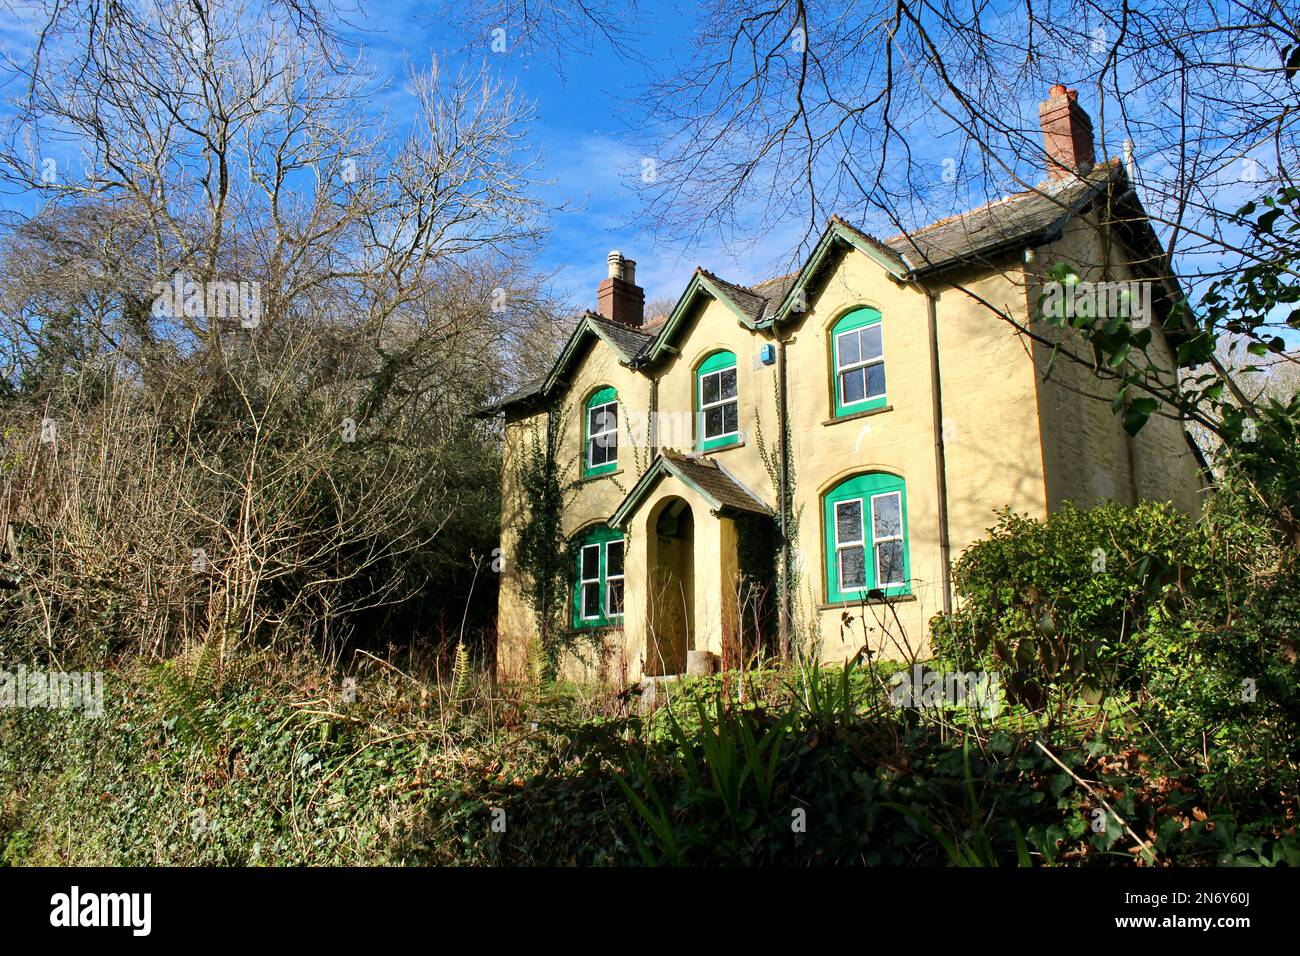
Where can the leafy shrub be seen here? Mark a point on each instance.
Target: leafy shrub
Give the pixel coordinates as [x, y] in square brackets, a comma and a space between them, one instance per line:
[1057, 603]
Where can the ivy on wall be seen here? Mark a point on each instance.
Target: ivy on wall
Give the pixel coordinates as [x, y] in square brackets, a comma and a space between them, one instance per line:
[786, 568]
[545, 556]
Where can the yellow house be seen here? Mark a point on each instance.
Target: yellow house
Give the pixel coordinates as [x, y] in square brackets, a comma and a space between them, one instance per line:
[795, 466]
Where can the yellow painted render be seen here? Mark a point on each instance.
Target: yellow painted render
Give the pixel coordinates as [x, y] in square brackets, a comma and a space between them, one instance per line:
[1090, 457]
[1011, 439]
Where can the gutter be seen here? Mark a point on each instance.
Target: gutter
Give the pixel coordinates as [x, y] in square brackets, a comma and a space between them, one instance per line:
[783, 613]
[940, 458]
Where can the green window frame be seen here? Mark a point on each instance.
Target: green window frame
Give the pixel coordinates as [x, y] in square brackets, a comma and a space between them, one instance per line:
[717, 402]
[866, 548]
[858, 362]
[600, 433]
[598, 587]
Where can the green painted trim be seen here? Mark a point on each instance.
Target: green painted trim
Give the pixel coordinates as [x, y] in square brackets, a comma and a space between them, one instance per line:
[698, 285]
[863, 487]
[602, 396]
[675, 318]
[721, 295]
[835, 232]
[715, 362]
[601, 535]
[584, 327]
[659, 467]
[859, 318]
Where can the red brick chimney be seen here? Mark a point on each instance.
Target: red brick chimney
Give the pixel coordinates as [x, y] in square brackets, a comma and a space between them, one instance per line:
[1067, 134]
[619, 298]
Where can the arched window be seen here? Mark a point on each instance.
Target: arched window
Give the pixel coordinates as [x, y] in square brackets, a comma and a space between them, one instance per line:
[866, 537]
[858, 357]
[716, 405]
[601, 433]
[598, 590]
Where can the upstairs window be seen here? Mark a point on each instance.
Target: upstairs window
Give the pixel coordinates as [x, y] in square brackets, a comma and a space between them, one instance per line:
[858, 355]
[601, 433]
[716, 400]
[598, 590]
[866, 537]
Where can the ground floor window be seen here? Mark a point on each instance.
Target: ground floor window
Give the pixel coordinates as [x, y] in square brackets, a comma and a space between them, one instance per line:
[598, 589]
[866, 537]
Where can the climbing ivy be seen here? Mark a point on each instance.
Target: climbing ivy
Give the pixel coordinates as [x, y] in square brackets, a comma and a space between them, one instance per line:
[545, 556]
[787, 571]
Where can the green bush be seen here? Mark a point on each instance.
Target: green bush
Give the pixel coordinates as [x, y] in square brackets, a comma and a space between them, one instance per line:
[1195, 623]
[1059, 604]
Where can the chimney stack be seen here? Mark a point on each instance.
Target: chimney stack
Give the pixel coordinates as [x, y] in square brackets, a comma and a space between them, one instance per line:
[619, 298]
[1067, 134]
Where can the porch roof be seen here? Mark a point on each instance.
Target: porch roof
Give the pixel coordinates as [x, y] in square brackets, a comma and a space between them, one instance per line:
[720, 489]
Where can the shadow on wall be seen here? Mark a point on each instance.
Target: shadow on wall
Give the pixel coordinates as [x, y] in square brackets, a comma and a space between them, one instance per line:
[671, 614]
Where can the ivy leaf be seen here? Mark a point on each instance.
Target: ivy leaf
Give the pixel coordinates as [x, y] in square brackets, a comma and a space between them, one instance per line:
[1138, 413]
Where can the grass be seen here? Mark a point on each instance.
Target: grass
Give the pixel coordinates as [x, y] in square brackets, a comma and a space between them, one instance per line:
[276, 769]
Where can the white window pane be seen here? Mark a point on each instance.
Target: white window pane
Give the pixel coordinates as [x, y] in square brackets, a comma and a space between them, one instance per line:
[853, 386]
[889, 563]
[614, 559]
[871, 346]
[593, 420]
[591, 562]
[853, 568]
[848, 349]
[729, 383]
[887, 516]
[614, 599]
[606, 418]
[729, 421]
[875, 380]
[848, 522]
[591, 599]
[709, 389]
[713, 422]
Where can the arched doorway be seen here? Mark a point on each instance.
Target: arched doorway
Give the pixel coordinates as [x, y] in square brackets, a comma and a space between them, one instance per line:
[671, 610]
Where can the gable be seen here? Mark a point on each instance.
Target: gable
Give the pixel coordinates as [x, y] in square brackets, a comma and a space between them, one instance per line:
[592, 331]
[745, 306]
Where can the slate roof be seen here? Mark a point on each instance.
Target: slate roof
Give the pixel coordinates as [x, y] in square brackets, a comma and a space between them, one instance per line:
[977, 237]
[527, 390]
[719, 487]
[971, 237]
[631, 342]
[747, 300]
[716, 482]
[776, 289]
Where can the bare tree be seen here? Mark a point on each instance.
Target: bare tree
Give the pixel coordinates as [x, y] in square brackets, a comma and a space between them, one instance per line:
[245, 333]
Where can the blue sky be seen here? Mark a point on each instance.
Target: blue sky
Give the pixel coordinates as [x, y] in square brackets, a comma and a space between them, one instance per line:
[583, 135]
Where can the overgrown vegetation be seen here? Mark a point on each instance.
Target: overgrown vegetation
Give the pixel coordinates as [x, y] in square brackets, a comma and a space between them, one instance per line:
[213, 508]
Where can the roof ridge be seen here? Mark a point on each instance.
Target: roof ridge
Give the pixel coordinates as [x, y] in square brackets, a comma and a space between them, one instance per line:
[713, 276]
[1038, 190]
